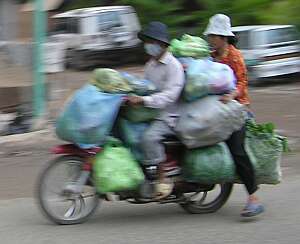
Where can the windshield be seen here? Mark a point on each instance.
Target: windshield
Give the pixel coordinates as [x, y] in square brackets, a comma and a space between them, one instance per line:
[65, 25]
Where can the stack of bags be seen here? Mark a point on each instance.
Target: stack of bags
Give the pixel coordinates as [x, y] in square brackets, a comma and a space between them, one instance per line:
[89, 117]
[203, 76]
[205, 122]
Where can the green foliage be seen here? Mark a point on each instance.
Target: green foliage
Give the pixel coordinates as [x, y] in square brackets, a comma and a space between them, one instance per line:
[267, 129]
[282, 12]
[191, 16]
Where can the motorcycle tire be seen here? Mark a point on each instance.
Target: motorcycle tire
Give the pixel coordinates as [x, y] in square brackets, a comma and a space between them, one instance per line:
[201, 207]
[81, 208]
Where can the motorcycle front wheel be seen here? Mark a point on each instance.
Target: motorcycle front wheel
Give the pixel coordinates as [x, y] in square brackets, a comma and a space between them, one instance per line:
[59, 205]
[202, 202]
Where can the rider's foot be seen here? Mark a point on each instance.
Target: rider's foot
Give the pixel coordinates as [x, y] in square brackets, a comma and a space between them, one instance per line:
[164, 189]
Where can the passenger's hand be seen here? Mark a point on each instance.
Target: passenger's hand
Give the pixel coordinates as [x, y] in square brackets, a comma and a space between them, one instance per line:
[135, 100]
[185, 67]
[226, 98]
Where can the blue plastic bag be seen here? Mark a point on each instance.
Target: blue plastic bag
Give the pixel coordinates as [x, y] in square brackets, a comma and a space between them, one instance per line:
[88, 117]
[131, 134]
[139, 86]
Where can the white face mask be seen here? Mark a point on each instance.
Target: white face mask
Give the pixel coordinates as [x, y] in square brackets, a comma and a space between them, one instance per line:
[153, 49]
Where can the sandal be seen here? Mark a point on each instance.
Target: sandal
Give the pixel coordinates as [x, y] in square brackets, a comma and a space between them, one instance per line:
[252, 209]
[163, 190]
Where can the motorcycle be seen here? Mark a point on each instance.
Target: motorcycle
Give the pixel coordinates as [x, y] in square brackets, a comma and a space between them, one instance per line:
[66, 192]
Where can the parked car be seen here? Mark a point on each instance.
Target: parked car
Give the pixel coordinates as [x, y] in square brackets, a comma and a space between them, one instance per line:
[97, 35]
[270, 51]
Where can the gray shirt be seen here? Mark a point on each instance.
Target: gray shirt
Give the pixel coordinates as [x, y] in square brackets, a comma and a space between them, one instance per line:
[168, 76]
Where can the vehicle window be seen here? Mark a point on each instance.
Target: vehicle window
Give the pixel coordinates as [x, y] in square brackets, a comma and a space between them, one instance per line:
[66, 25]
[130, 21]
[243, 39]
[280, 35]
[108, 20]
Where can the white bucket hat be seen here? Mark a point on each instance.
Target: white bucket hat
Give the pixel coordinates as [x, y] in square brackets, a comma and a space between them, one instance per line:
[219, 24]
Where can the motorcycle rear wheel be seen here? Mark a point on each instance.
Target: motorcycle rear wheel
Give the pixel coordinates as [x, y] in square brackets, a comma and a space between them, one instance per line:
[59, 206]
[208, 201]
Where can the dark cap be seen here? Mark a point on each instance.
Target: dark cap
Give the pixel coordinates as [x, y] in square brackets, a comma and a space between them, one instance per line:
[155, 30]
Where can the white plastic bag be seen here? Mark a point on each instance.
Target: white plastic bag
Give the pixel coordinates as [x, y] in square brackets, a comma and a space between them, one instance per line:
[208, 121]
[207, 77]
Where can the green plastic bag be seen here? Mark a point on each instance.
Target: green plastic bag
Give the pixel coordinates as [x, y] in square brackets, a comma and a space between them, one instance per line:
[264, 148]
[209, 165]
[196, 87]
[115, 169]
[111, 81]
[189, 46]
[214, 164]
[140, 113]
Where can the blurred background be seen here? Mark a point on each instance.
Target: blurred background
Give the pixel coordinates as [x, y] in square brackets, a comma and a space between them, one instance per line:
[74, 41]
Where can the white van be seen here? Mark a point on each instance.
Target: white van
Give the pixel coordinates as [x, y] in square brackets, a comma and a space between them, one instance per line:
[97, 35]
[270, 51]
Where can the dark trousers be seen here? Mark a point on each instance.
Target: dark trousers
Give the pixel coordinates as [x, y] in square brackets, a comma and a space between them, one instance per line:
[244, 168]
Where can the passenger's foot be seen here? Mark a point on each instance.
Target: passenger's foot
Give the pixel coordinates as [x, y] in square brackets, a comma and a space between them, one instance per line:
[252, 209]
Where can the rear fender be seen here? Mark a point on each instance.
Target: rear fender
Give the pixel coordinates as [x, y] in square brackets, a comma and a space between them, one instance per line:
[71, 149]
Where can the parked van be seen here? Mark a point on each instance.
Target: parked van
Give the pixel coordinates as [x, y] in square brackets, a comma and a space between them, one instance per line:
[270, 51]
[97, 35]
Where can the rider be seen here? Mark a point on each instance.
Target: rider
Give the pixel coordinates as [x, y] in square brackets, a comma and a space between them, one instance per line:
[220, 38]
[167, 74]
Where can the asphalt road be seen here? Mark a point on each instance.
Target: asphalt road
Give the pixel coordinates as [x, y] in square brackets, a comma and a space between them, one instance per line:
[21, 222]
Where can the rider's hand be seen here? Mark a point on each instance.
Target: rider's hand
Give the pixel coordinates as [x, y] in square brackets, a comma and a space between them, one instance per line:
[135, 100]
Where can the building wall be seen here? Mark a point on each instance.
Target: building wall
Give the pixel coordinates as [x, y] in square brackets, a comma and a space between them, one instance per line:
[8, 20]
[25, 26]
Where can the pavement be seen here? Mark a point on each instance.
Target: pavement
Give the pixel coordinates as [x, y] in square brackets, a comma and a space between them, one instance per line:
[121, 223]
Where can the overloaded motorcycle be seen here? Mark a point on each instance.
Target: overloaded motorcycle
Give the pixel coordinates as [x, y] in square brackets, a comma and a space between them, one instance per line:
[67, 194]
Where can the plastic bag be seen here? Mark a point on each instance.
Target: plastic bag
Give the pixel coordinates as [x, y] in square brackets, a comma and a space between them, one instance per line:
[189, 46]
[139, 86]
[209, 165]
[88, 117]
[131, 134]
[109, 80]
[208, 121]
[264, 150]
[207, 77]
[115, 169]
[197, 86]
[140, 113]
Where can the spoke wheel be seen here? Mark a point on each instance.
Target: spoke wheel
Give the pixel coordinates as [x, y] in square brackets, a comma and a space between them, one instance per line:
[208, 201]
[59, 205]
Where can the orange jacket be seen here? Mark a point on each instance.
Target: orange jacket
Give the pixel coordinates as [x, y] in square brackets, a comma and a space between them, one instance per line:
[234, 59]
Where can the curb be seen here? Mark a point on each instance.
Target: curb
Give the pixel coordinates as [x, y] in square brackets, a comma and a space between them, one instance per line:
[26, 137]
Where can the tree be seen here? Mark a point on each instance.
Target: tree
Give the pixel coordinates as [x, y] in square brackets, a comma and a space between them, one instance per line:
[192, 15]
